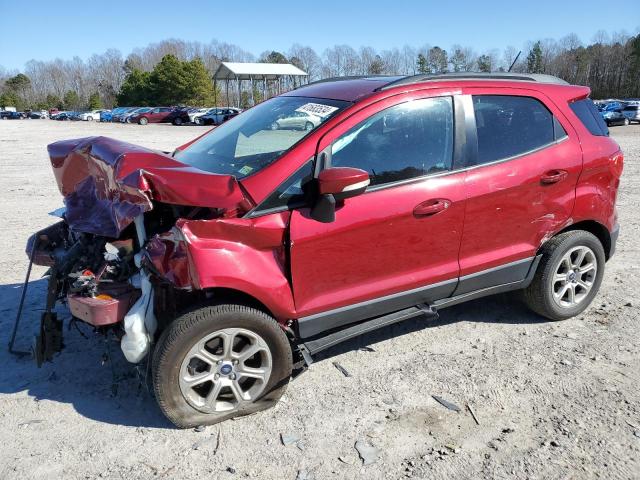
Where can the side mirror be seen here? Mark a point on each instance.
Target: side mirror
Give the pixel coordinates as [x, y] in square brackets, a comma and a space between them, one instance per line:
[335, 185]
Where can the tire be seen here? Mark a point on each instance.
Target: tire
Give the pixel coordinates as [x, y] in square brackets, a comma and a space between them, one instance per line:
[143, 121]
[198, 121]
[174, 356]
[626, 122]
[542, 294]
[308, 127]
[177, 122]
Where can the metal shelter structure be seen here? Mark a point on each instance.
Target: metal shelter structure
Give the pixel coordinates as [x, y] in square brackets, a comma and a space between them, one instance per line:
[281, 75]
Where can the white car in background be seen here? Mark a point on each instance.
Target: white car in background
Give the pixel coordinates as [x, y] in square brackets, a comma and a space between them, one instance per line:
[195, 114]
[217, 116]
[89, 116]
[297, 121]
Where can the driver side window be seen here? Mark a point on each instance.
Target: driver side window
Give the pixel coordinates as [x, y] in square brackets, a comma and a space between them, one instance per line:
[405, 141]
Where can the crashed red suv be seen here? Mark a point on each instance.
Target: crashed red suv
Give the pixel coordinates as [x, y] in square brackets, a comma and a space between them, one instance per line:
[237, 258]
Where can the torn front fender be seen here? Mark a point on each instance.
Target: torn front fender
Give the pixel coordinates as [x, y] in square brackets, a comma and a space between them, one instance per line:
[107, 183]
[247, 255]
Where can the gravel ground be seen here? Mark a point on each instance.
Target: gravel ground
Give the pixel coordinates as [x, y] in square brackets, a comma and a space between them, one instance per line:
[553, 400]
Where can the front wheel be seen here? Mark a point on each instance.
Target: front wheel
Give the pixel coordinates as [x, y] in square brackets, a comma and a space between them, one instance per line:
[626, 122]
[143, 121]
[177, 121]
[219, 362]
[568, 276]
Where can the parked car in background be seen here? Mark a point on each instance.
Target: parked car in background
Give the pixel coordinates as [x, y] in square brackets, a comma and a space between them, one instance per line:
[632, 112]
[11, 115]
[217, 116]
[105, 116]
[117, 116]
[64, 116]
[159, 115]
[53, 111]
[90, 115]
[296, 121]
[615, 117]
[195, 113]
[179, 115]
[128, 116]
[38, 114]
[610, 106]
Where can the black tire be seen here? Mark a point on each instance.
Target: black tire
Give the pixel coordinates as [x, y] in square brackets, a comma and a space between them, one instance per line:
[626, 122]
[177, 121]
[539, 295]
[143, 121]
[308, 126]
[176, 341]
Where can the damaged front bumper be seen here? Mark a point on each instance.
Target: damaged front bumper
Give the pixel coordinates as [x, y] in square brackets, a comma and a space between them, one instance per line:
[102, 283]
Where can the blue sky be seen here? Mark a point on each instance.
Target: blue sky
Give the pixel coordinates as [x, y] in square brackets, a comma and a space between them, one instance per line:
[48, 29]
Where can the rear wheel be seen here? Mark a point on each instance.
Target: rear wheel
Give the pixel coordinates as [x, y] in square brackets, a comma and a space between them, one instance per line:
[626, 122]
[219, 362]
[568, 276]
[177, 121]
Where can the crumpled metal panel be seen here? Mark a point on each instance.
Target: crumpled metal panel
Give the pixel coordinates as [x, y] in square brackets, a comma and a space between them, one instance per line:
[238, 253]
[107, 183]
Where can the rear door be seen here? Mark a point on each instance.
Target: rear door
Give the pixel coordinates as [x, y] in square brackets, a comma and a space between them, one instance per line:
[520, 188]
[397, 244]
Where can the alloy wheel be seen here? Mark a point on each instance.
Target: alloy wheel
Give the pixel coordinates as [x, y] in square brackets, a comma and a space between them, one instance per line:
[225, 369]
[574, 277]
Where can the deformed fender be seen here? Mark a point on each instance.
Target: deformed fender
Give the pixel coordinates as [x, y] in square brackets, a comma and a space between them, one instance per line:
[247, 255]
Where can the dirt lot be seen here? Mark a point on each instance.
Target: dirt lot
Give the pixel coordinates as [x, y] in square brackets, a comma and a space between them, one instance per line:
[553, 400]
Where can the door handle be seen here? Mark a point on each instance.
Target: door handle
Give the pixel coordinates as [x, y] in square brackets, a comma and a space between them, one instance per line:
[431, 207]
[553, 176]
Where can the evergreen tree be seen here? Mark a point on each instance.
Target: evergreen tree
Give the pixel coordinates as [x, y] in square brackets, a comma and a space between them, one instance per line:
[376, 67]
[534, 59]
[135, 89]
[421, 64]
[11, 99]
[169, 82]
[19, 84]
[437, 61]
[484, 63]
[71, 100]
[94, 101]
[199, 87]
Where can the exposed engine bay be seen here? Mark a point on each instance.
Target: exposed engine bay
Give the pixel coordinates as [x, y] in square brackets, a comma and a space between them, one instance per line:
[105, 255]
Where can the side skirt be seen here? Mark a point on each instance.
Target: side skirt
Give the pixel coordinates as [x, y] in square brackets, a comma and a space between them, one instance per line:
[319, 339]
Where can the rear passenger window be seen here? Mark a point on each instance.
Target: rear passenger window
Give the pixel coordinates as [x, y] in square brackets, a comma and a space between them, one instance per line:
[509, 126]
[402, 142]
[590, 117]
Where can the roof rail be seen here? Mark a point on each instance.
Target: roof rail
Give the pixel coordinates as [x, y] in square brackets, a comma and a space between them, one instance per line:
[523, 77]
[392, 78]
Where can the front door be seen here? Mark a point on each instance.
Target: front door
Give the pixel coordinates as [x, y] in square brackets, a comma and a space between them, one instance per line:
[397, 244]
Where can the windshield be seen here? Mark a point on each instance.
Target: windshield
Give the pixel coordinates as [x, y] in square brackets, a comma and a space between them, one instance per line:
[259, 136]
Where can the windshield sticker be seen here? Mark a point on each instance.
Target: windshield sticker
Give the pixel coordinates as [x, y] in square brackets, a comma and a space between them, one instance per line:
[246, 170]
[317, 109]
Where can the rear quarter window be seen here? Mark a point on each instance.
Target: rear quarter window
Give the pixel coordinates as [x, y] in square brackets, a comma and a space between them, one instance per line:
[590, 117]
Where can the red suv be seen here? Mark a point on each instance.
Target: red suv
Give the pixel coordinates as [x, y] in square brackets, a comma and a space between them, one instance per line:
[234, 260]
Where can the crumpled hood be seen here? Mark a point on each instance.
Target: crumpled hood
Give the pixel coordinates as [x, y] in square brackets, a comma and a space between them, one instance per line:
[106, 183]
